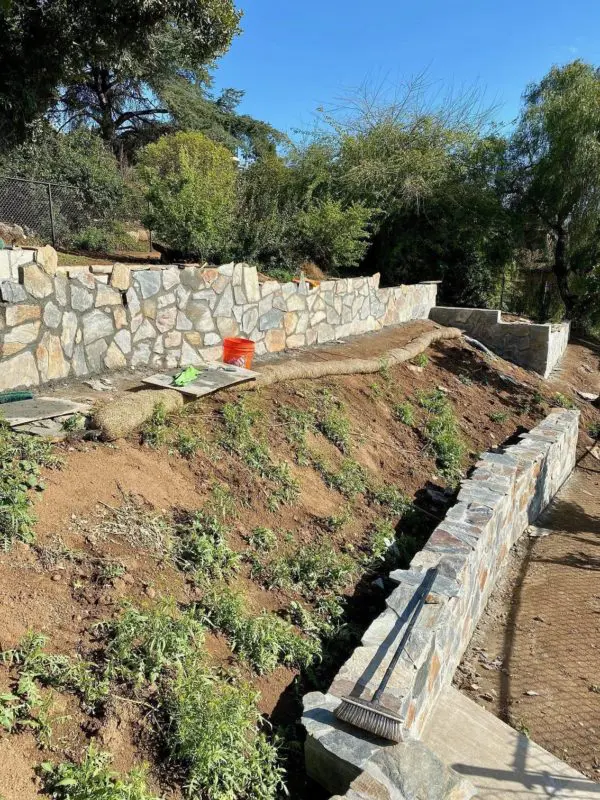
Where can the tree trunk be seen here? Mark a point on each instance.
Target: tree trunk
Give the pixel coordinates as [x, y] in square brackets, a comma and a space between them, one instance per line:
[561, 270]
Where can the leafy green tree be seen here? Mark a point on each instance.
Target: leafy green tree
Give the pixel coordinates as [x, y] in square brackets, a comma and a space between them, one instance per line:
[102, 59]
[190, 185]
[556, 184]
[333, 236]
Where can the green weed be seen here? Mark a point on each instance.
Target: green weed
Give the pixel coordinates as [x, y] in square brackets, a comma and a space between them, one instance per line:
[26, 708]
[240, 437]
[188, 444]
[391, 499]
[465, 379]
[594, 430]
[298, 425]
[212, 730]
[21, 458]
[443, 434]
[222, 502]
[350, 480]
[336, 522]
[262, 539]
[201, 548]
[311, 569]
[381, 549]
[333, 422]
[264, 641]
[141, 644]
[58, 671]
[422, 360]
[155, 431]
[499, 417]
[405, 413]
[92, 779]
[376, 390]
[562, 401]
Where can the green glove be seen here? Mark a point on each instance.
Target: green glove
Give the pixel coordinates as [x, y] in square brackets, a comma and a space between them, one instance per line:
[186, 376]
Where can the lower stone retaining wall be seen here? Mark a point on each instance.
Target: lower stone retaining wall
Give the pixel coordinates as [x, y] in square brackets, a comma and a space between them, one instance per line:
[504, 494]
[57, 323]
[536, 347]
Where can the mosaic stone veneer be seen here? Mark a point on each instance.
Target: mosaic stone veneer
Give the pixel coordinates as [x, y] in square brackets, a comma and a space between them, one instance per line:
[74, 322]
[504, 494]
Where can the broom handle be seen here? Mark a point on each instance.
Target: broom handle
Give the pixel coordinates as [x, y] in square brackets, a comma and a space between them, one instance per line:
[424, 591]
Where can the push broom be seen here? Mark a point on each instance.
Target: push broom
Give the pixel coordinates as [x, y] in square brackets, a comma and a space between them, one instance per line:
[369, 715]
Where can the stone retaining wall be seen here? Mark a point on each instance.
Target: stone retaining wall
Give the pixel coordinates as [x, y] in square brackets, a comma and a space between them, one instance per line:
[536, 347]
[504, 494]
[57, 323]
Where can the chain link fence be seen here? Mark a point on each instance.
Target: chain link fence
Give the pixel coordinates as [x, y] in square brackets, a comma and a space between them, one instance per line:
[51, 212]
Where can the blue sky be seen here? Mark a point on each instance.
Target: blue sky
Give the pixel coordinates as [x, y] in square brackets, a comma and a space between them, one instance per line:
[295, 56]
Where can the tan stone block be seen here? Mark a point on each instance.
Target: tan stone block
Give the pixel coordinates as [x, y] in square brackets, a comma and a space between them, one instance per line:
[47, 258]
[19, 371]
[114, 358]
[50, 358]
[275, 340]
[194, 338]
[120, 277]
[297, 340]
[15, 315]
[290, 320]
[107, 296]
[36, 282]
[149, 308]
[227, 326]
[120, 317]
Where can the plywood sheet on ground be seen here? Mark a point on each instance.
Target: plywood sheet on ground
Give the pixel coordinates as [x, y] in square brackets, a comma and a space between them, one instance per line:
[24, 412]
[210, 380]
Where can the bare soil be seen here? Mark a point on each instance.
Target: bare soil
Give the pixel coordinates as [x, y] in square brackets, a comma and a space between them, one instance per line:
[63, 597]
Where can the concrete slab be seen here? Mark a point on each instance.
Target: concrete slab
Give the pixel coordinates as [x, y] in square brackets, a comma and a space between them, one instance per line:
[498, 760]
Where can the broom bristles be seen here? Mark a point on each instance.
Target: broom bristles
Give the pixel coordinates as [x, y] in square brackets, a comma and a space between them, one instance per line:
[370, 717]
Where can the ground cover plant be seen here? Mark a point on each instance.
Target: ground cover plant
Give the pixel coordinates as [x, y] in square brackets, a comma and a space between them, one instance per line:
[213, 592]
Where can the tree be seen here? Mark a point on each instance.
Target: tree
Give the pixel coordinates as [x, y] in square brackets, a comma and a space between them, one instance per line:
[556, 185]
[333, 236]
[102, 59]
[190, 183]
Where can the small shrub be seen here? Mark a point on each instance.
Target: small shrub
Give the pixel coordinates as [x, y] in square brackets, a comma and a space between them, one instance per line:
[376, 390]
[381, 543]
[336, 522]
[594, 430]
[262, 539]
[350, 480]
[109, 237]
[334, 423]
[443, 434]
[212, 731]
[222, 502]
[59, 671]
[141, 644]
[26, 709]
[187, 444]
[21, 458]
[422, 360]
[298, 425]
[92, 779]
[311, 569]
[155, 431]
[264, 641]
[562, 401]
[201, 548]
[405, 413]
[465, 379]
[499, 417]
[391, 498]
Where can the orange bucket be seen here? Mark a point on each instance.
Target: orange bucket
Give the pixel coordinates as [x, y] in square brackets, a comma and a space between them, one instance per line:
[238, 352]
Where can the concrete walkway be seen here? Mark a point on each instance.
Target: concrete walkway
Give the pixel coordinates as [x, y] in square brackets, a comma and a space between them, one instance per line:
[500, 762]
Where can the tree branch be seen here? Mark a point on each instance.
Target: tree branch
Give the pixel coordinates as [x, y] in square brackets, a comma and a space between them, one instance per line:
[126, 115]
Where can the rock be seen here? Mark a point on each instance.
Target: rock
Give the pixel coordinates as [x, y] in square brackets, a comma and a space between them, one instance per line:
[224, 306]
[133, 302]
[16, 315]
[114, 358]
[183, 323]
[107, 296]
[249, 319]
[19, 371]
[36, 282]
[590, 396]
[95, 355]
[189, 357]
[272, 319]
[18, 338]
[170, 278]
[78, 361]
[148, 282]
[81, 298]
[149, 308]
[96, 325]
[182, 295]
[166, 300]
[226, 269]
[200, 316]
[290, 320]
[120, 277]
[12, 292]
[47, 257]
[141, 354]
[211, 339]
[123, 341]
[61, 289]
[166, 318]
[275, 340]
[69, 329]
[145, 331]
[250, 283]
[295, 341]
[173, 339]
[51, 361]
[52, 315]
[120, 317]
[227, 326]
